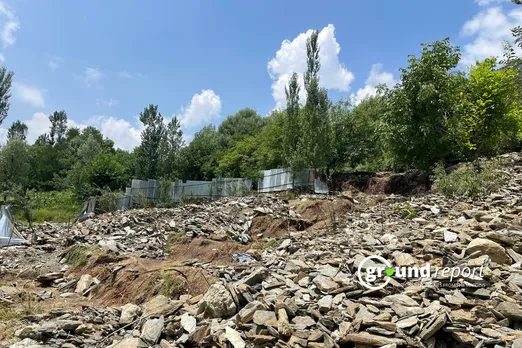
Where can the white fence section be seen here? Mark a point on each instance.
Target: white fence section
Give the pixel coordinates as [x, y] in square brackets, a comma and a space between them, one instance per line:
[155, 190]
[281, 179]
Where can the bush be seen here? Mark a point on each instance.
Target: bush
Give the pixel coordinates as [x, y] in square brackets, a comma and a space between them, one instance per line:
[471, 180]
[108, 200]
[405, 211]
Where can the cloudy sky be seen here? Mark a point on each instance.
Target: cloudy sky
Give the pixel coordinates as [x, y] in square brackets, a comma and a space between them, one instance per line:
[104, 61]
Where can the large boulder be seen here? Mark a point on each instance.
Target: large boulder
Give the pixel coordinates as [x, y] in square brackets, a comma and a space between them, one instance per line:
[217, 302]
[488, 247]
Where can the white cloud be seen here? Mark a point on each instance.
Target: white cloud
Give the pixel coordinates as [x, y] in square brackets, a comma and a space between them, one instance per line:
[203, 108]
[29, 94]
[376, 77]
[10, 25]
[125, 135]
[488, 29]
[291, 58]
[125, 75]
[55, 62]
[2, 58]
[92, 77]
[107, 102]
[488, 2]
[3, 136]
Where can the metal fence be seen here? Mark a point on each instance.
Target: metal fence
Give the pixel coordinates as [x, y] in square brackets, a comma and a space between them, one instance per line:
[142, 191]
[281, 179]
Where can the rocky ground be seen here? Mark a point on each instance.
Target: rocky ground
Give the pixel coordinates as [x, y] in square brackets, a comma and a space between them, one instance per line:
[269, 271]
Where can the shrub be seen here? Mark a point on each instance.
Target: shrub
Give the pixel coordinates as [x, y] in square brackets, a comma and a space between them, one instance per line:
[108, 200]
[405, 211]
[471, 180]
[53, 206]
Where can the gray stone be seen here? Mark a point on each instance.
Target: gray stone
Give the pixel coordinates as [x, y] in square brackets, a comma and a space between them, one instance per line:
[217, 302]
[151, 331]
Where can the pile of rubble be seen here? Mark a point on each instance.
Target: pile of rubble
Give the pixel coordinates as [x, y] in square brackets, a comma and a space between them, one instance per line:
[144, 232]
[314, 289]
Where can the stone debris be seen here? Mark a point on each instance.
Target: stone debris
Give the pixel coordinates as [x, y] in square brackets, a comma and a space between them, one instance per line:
[305, 291]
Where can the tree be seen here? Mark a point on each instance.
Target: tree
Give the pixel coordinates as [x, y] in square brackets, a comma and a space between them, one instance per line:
[171, 148]
[148, 154]
[492, 108]
[315, 136]
[245, 122]
[292, 129]
[199, 160]
[6, 79]
[58, 121]
[420, 125]
[14, 166]
[17, 131]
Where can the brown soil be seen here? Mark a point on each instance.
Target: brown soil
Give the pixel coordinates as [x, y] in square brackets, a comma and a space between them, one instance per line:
[269, 227]
[206, 250]
[321, 212]
[408, 183]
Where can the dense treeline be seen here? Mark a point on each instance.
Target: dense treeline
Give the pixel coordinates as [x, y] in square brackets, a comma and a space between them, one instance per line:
[437, 113]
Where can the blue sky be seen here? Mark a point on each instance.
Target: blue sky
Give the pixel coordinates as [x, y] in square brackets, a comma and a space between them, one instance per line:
[104, 61]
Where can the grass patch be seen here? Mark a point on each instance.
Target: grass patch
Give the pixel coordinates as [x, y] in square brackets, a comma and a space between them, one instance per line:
[471, 181]
[175, 239]
[405, 211]
[266, 243]
[78, 256]
[53, 206]
[171, 285]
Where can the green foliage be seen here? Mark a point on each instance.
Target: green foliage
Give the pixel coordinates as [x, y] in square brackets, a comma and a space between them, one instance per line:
[171, 285]
[78, 256]
[292, 127]
[108, 200]
[53, 206]
[405, 211]
[471, 180]
[148, 154]
[420, 124]
[200, 158]
[58, 121]
[170, 149]
[6, 79]
[17, 131]
[492, 112]
[14, 166]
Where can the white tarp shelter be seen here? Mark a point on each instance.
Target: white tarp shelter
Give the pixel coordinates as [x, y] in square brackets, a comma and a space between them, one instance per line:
[8, 233]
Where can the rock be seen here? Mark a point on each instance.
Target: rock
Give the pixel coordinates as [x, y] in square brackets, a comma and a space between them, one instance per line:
[325, 284]
[487, 247]
[302, 322]
[365, 338]
[283, 326]
[151, 331]
[234, 338]
[510, 310]
[131, 342]
[266, 318]
[325, 303]
[433, 326]
[129, 312]
[83, 284]
[217, 302]
[160, 306]
[188, 323]
[246, 314]
[450, 237]
[404, 259]
[256, 277]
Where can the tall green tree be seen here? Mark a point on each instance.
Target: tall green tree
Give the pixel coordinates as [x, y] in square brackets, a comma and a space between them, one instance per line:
[245, 122]
[292, 129]
[6, 78]
[316, 128]
[148, 153]
[420, 125]
[171, 148]
[17, 131]
[58, 130]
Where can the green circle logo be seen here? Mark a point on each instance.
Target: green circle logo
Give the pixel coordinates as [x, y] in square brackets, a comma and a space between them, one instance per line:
[390, 272]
